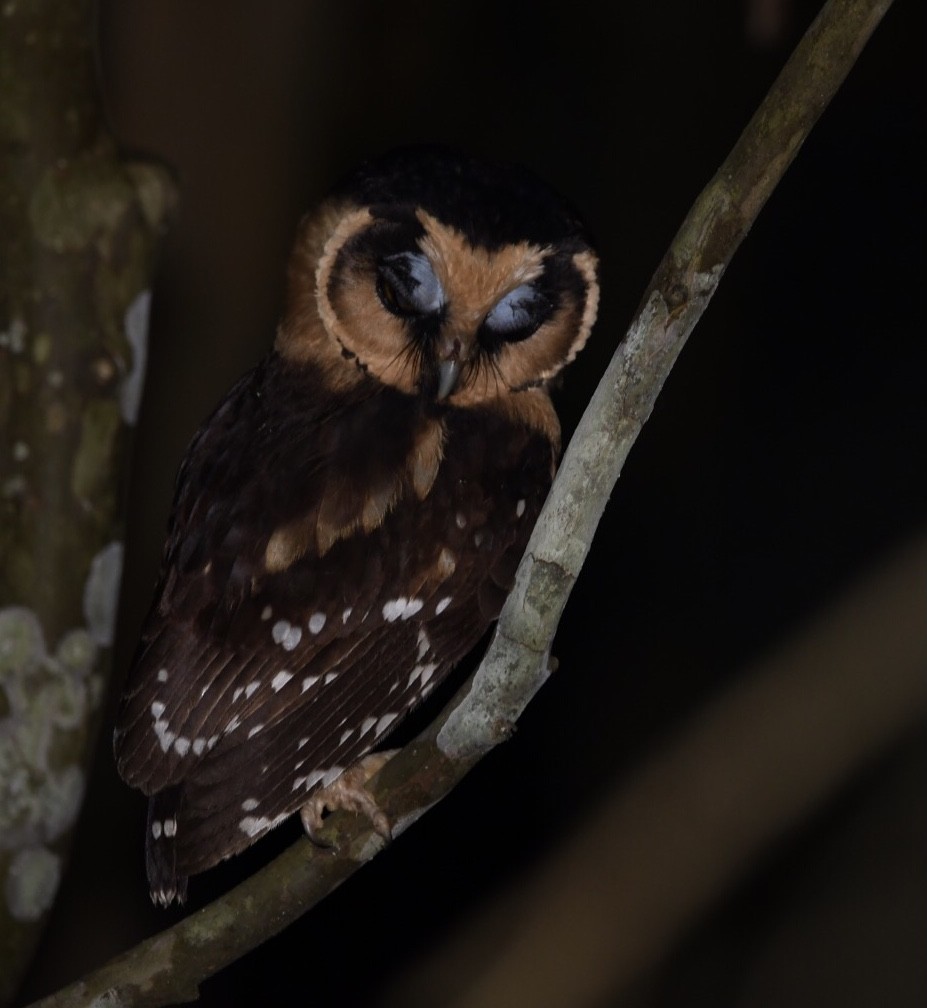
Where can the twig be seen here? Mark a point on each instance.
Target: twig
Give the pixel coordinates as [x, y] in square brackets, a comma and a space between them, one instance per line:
[169, 967]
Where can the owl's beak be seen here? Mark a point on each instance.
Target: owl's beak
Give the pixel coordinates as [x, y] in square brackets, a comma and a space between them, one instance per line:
[451, 353]
[448, 377]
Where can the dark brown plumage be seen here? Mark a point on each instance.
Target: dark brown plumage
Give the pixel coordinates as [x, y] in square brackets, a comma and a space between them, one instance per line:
[348, 522]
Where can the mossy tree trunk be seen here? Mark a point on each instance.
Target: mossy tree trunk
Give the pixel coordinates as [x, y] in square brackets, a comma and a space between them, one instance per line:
[78, 230]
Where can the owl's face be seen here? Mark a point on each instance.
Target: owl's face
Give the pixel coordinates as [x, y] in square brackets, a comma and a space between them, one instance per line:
[393, 279]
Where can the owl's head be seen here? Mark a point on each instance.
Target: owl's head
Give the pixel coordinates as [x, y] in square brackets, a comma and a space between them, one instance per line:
[441, 276]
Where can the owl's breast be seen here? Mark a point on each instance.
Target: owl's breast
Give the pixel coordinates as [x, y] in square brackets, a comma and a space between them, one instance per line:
[450, 554]
[303, 504]
[439, 551]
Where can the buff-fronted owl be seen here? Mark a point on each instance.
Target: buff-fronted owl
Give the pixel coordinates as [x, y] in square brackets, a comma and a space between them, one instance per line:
[348, 522]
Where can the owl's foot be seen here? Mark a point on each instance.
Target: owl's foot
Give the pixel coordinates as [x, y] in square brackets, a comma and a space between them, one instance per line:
[349, 792]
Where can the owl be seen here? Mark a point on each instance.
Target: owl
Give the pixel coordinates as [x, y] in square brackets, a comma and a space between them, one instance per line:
[347, 523]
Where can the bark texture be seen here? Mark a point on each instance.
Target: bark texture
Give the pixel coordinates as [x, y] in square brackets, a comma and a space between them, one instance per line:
[78, 229]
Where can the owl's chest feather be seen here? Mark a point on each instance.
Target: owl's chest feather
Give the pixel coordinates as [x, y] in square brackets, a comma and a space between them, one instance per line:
[449, 514]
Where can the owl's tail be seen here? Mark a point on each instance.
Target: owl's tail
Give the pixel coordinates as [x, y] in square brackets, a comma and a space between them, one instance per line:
[161, 847]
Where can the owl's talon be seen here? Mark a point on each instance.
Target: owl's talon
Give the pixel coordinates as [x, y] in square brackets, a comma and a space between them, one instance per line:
[349, 792]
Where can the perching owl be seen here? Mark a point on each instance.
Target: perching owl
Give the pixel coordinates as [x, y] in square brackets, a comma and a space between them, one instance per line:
[347, 523]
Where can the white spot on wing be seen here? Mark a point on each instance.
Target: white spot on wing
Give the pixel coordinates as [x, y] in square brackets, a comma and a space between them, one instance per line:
[253, 731]
[170, 827]
[286, 635]
[252, 825]
[162, 675]
[252, 688]
[442, 605]
[314, 778]
[165, 736]
[301, 743]
[412, 607]
[238, 692]
[331, 775]
[520, 508]
[330, 677]
[425, 671]
[199, 746]
[461, 520]
[401, 608]
[308, 682]
[266, 613]
[233, 724]
[346, 615]
[280, 680]
[182, 746]
[345, 735]
[157, 709]
[394, 609]
[385, 722]
[423, 643]
[249, 804]
[316, 622]
[156, 829]
[367, 725]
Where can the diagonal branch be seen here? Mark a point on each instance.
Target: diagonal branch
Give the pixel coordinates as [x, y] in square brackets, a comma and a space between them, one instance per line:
[170, 966]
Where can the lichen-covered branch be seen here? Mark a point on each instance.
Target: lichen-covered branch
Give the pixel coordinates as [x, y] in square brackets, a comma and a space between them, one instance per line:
[170, 966]
[77, 236]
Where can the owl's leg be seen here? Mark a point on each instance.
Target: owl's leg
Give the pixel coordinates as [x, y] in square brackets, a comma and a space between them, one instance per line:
[349, 792]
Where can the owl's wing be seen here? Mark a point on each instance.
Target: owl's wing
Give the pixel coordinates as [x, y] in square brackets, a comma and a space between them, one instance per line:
[249, 784]
[232, 644]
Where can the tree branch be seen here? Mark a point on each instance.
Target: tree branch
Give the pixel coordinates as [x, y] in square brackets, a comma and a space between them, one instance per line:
[169, 967]
[78, 230]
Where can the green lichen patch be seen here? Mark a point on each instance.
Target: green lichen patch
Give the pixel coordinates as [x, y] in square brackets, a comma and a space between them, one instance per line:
[44, 705]
[22, 645]
[76, 202]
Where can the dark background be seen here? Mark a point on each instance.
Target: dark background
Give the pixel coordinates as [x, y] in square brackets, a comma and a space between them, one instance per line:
[786, 453]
